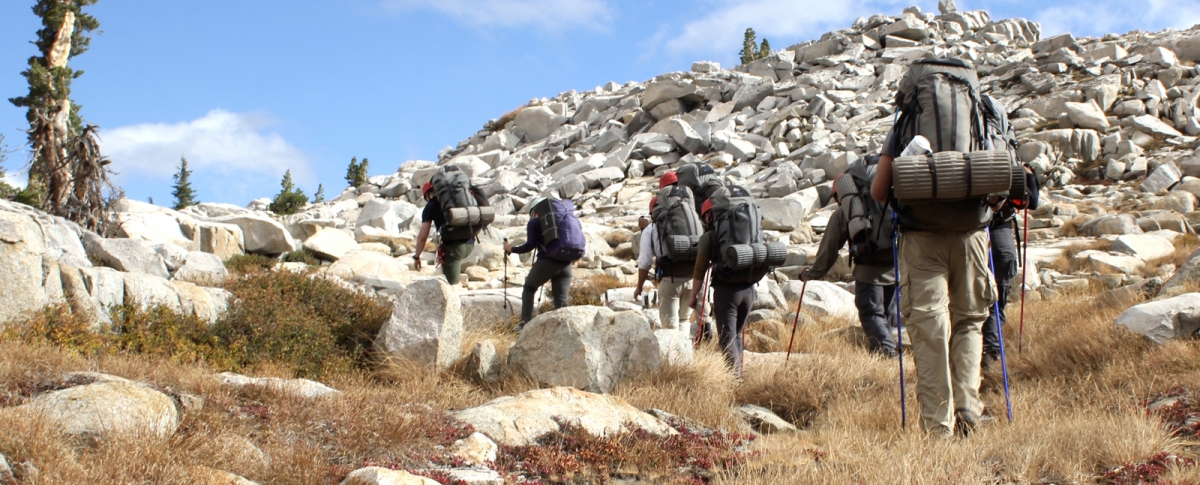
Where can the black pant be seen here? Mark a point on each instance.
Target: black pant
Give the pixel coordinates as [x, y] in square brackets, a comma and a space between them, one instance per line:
[1004, 257]
[546, 269]
[731, 305]
[875, 310]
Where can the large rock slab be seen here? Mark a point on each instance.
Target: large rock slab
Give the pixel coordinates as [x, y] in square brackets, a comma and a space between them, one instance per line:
[331, 244]
[263, 235]
[386, 214]
[304, 388]
[1087, 115]
[201, 266]
[207, 304]
[822, 298]
[587, 347]
[128, 255]
[153, 228]
[426, 325]
[372, 269]
[1164, 320]
[781, 214]
[1108, 263]
[64, 245]
[1144, 246]
[1186, 274]
[147, 292]
[111, 406]
[21, 277]
[521, 419]
[375, 475]
[535, 123]
[222, 240]
[1150, 124]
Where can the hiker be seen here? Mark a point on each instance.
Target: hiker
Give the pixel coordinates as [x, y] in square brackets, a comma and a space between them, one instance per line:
[450, 189]
[870, 253]
[555, 231]
[946, 286]
[676, 216]
[734, 229]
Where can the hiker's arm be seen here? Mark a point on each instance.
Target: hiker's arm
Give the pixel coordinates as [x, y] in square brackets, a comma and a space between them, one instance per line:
[532, 230]
[703, 252]
[643, 275]
[831, 244]
[883, 179]
[422, 236]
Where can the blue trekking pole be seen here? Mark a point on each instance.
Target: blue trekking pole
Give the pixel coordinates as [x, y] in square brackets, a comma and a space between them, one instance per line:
[899, 322]
[1000, 332]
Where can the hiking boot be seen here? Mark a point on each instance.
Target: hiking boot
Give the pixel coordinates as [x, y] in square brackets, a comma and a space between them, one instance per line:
[990, 357]
[964, 422]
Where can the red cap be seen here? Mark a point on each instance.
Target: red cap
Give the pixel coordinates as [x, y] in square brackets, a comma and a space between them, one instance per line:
[667, 179]
[653, 202]
[427, 187]
[706, 208]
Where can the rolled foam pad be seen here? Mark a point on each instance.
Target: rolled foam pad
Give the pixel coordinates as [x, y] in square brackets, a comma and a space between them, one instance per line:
[682, 248]
[951, 175]
[844, 185]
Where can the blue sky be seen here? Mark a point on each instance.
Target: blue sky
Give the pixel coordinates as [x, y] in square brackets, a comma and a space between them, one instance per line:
[248, 89]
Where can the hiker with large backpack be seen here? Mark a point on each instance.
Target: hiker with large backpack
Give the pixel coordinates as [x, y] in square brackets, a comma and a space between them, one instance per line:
[944, 197]
[1005, 238]
[554, 230]
[863, 223]
[459, 211]
[668, 244]
[735, 250]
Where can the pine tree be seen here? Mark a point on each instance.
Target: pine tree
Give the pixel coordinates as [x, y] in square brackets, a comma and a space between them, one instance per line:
[290, 199]
[749, 47]
[352, 171]
[68, 171]
[362, 172]
[319, 197]
[184, 195]
[765, 50]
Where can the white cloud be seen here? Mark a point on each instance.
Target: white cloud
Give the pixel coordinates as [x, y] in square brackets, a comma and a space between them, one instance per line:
[1095, 18]
[219, 143]
[553, 15]
[718, 32]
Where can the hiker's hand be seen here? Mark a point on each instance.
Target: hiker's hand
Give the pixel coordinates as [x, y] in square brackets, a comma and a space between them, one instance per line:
[417, 262]
[692, 303]
[806, 274]
[637, 292]
[643, 222]
[507, 247]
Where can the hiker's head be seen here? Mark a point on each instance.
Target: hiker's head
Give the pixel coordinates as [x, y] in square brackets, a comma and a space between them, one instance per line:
[667, 179]
[427, 190]
[706, 212]
[534, 203]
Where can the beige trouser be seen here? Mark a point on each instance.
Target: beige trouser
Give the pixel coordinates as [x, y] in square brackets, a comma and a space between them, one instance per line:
[946, 290]
[670, 291]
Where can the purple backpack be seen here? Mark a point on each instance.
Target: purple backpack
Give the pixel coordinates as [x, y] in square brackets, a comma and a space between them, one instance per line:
[561, 232]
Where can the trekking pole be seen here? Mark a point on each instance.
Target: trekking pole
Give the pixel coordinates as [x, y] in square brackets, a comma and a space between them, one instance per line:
[506, 306]
[1000, 332]
[700, 323]
[796, 321]
[899, 320]
[1024, 273]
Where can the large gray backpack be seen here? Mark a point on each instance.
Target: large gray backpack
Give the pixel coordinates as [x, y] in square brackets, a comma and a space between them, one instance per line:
[679, 229]
[701, 179]
[946, 190]
[742, 256]
[465, 211]
[869, 229]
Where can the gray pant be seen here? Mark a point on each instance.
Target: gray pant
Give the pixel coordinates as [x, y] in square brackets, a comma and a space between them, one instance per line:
[546, 269]
[876, 307]
[1004, 257]
[731, 306]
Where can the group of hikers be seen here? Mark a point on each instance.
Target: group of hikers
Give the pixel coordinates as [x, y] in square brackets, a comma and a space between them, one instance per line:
[929, 223]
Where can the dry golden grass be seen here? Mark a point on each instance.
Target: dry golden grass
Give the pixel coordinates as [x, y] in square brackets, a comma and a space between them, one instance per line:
[1078, 384]
[1067, 263]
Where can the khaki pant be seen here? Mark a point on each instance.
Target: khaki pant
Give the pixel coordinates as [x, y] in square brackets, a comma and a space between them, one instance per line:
[670, 291]
[946, 290]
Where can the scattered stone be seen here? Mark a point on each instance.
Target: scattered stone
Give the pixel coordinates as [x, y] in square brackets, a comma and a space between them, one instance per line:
[765, 421]
[297, 387]
[426, 325]
[111, 406]
[1164, 320]
[521, 419]
[375, 475]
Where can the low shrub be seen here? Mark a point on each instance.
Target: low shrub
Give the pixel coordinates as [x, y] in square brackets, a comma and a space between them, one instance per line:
[248, 263]
[591, 290]
[301, 256]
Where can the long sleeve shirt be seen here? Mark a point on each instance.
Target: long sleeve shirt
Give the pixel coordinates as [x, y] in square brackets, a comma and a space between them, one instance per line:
[837, 234]
[533, 237]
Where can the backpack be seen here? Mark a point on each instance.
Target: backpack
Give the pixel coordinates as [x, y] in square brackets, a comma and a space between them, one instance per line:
[946, 190]
[868, 228]
[562, 234]
[466, 211]
[741, 254]
[679, 229]
[701, 179]
[1004, 137]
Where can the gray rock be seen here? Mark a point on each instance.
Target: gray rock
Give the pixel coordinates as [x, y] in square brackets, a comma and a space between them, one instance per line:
[684, 136]
[223, 240]
[706, 66]
[586, 347]
[200, 266]
[331, 244]
[1164, 320]
[1087, 115]
[1163, 178]
[822, 299]
[750, 95]
[536, 123]
[483, 363]
[375, 475]
[63, 245]
[126, 254]
[765, 421]
[385, 214]
[148, 291]
[781, 214]
[426, 325]
[303, 388]
[521, 419]
[21, 278]
[1150, 124]
[1145, 247]
[662, 91]
[262, 235]
[111, 406]
[946, 7]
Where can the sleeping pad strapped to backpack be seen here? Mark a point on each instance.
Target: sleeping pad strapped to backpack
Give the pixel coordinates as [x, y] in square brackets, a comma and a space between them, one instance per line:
[562, 233]
[869, 230]
[741, 254]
